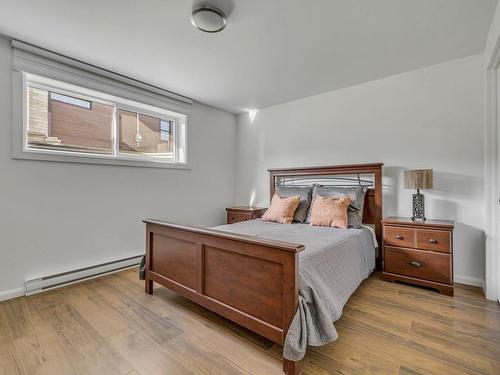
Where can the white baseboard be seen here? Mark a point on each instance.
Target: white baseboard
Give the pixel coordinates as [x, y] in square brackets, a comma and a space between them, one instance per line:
[469, 281]
[13, 293]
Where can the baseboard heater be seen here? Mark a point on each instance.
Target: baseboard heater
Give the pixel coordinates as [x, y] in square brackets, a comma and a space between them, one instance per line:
[65, 278]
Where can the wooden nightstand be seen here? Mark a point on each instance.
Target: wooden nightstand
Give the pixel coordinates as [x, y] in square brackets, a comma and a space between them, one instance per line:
[419, 252]
[243, 213]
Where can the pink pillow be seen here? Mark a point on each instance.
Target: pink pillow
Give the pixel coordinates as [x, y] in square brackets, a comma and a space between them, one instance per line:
[281, 210]
[330, 212]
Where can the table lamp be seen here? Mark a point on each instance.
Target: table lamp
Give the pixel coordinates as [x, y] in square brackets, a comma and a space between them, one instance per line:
[419, 179]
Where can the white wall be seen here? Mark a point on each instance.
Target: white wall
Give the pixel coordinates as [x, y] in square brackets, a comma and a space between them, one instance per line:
[492, 41]
[428, 118]
[492, 165]
[87, 214]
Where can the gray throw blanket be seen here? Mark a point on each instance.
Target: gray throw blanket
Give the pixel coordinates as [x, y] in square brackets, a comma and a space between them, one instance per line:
[333, 264]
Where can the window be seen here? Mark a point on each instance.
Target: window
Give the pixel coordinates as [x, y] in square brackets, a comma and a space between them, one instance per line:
[63, 119]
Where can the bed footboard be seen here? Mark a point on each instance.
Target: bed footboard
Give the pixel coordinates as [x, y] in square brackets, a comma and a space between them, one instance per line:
[251, 281]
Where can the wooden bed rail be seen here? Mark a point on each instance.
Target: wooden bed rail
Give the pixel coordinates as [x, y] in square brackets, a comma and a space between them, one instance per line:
[249, 280]
[281, 245]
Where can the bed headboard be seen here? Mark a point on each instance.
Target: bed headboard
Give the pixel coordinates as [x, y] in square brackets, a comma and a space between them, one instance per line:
[369, 175]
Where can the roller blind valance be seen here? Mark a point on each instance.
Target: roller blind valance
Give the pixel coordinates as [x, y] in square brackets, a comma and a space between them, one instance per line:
[35, 60]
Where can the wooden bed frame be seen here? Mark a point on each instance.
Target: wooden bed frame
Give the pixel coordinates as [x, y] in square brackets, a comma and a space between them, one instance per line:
[249, 280]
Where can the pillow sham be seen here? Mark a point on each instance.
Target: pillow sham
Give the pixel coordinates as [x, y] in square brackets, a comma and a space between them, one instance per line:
[305, 194]
[330, 212]
[281, 210]
[357, 195]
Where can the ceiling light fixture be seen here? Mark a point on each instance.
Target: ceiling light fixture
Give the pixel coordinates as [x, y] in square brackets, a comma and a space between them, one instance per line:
[208, 19]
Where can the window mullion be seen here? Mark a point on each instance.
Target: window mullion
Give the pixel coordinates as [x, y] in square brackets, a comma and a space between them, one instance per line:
[175, 135]
[115, 134]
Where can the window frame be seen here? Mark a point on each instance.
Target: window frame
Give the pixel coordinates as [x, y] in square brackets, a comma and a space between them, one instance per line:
[23, 80]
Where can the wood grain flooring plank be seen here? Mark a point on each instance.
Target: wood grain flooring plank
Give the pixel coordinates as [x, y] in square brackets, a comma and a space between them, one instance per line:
[127, 310]
[418, 303]
[90, 352]
[397, 312]
[478, 331]
[38, 346]
[147, 356]
[200, 358]
[390, 348]
[437, 349]
[473, 346]
[407, 371]
[242, 352]
[126, 337]
[317, 364]
[459, 304]
[363, 361]
[207, 314]
[10, 363]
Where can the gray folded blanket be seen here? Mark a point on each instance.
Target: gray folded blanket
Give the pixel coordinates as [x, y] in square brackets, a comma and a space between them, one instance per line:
[142, 268]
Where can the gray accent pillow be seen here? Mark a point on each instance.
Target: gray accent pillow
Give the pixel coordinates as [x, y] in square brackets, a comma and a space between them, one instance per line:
[313, 195]
[357, 195]
[305, 194]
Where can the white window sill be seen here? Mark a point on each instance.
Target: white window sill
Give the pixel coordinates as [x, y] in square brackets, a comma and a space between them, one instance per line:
[96, 159]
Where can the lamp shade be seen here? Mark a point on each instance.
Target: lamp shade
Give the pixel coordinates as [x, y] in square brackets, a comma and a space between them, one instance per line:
[418, 179]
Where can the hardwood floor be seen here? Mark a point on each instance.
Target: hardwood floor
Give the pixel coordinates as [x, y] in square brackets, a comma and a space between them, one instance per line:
[109, 326]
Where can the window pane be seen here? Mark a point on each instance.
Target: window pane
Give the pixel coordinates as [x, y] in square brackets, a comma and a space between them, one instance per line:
[70, 100]
[68, 123]
[166, 128]
[145, 135]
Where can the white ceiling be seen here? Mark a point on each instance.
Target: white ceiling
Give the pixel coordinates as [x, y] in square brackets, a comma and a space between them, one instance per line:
[272, 51]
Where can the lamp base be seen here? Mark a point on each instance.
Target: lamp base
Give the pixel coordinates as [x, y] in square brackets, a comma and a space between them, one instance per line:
[418, 219]
[418, 206]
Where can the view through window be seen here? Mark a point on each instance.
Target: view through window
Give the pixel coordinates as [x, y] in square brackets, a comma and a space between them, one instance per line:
[147, 135]
[68, 122]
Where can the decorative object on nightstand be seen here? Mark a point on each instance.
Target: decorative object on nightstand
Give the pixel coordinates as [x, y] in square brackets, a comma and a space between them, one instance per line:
[419, 252]
[419, 179]
[243, 213]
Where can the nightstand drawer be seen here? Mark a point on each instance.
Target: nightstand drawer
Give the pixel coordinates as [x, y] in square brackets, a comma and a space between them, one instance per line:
[419, 264]
[235, 217]
[243, 213]
[435, 240]
[399, 236]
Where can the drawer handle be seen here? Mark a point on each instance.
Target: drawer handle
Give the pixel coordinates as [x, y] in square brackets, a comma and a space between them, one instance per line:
[398, 237]
[415, 264]
[432, 240]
